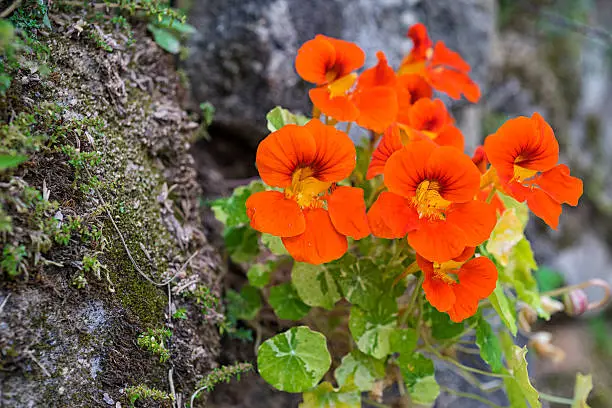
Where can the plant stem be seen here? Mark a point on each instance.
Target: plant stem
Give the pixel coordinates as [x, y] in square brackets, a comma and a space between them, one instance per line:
[555, 399]
[375, 403]
[470, 396]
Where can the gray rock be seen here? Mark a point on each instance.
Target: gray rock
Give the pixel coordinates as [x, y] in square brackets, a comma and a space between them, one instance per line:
[241, 59]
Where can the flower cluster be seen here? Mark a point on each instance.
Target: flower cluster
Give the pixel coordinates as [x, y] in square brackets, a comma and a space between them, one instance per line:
[429, 191]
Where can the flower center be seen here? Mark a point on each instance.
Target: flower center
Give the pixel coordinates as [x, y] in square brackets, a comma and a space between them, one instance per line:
[428, 201]
[521, 173]
[305, 189]
[446, 271]
[341, 86]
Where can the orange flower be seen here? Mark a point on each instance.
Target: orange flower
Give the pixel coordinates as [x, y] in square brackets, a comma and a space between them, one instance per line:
[329, 63]
[426, 120]
[312, 216]
[443, 68]
[369, 100]
[456, 286]
[431, 199]
[410, 88]
[375, 96]
[524, 152]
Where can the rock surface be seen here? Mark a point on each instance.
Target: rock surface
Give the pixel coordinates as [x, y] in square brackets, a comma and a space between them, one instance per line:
[63, 342]
[241, 59]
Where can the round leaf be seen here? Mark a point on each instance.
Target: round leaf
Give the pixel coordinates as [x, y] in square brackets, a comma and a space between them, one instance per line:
[294, 361]
[315, 285]
[372, 329]
[286, 302]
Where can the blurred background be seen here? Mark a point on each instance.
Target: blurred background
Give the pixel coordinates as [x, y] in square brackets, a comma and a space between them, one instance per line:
[550, 56]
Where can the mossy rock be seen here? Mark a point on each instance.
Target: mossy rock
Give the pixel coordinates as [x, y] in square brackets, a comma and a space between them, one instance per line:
[108, 144]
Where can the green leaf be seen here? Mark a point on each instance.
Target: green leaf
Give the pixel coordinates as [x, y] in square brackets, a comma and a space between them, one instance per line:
[418, 372]
[517, 367]
[208, 112]
[231, 211]
[244, 305]
[241, 243]
[7, 33]
[294, 361]
[315, 285]
[519, 273]
[279, 117]
[360, 280]
[326, 396]
[488, 343]
[372, 329]
[259, 274]
[507, 233]
[7, 161]
[176, 25]
[582, 389]
[360, 370]
[274, 244]
[404, 341]
[442, 327]
[286, 302]
[548, 279]
[165, 39]
[502, 306]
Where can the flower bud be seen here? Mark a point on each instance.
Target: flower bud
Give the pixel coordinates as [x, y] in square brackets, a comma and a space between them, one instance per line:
[550, 305]
[526, 317]
[540, 342]
[576, 302]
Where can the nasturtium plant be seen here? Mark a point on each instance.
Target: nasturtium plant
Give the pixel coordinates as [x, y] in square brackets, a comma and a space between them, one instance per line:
[294, 361]
[398, 251]
[286, 302]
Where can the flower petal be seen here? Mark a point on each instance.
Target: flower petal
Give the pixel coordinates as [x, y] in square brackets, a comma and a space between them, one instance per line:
[349, 57]
[477, 278]
[457, 175]
[335, 152]
[450, 135]
[545, 207]
[347, 211]
[377, 107]
[462, 309]
[438, 241]
[272, 213]
[406, 168]
[562, 187]
[340, 107]
[379, 75]
[476, 220]
[438, 293]
[429, 115]
[442, 55]
[389, 144]
[320, 242]
[527, 142]
[281, 152]
[314, 59]
[392, 216]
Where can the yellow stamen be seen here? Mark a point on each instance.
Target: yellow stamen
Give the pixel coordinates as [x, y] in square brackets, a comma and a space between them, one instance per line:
[444, 270]
[428, 201]
[521, 173]
[342, 85]
[306, 189]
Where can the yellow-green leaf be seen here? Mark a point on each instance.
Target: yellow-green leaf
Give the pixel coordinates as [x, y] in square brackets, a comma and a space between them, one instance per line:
[507, 233]
[502, 306]
[326, 396]
[584, 385]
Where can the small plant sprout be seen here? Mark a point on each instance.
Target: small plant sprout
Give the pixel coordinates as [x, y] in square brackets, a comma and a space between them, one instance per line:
[155, 340]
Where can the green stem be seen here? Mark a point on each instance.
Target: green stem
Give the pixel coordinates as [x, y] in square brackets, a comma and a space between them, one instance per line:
[375, 403]
[430, 348]
[555, 399]
[470, 396]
